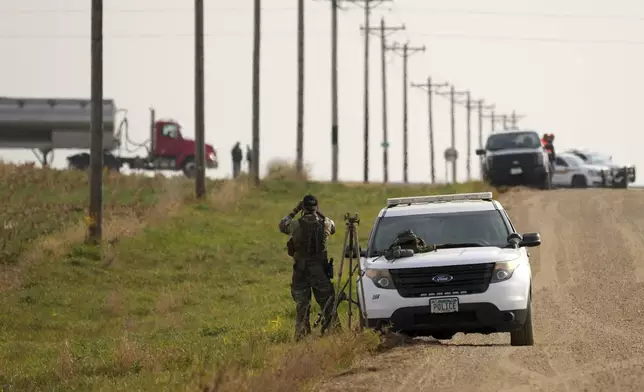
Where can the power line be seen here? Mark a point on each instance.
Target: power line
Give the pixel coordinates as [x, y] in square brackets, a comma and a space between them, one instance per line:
[531, 39]
[515, 14]
[414, 10]
[553, 40]
[139, 10]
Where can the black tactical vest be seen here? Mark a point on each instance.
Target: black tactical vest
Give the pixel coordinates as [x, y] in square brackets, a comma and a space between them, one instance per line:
[310, 241]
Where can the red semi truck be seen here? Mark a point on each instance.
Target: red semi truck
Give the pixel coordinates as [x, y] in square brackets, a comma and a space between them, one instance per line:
[45, 125]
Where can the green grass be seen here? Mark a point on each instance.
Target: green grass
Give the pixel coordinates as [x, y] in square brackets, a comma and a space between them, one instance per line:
[181, 292]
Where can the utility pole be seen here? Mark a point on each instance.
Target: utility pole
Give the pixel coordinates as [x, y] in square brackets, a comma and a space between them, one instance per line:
[200, 126]
[452, 97]
[383, 30]
[514, 119]
[368, 6]
[367, 11]
[481, 108]
[468, 104]
[468, 107]
[334, 90]
[505, 122]
[429, 87]
[406, 51]
[257, 22]
[95, 229]
[300, 88]
[494, 119]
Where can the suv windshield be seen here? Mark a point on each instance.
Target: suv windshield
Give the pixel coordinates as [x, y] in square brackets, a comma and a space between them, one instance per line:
[483, 227]
[597, 158]
[573, 160]
[503, 141]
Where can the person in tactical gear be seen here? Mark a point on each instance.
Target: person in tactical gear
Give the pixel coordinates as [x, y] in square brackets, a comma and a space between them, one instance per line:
[308, 247]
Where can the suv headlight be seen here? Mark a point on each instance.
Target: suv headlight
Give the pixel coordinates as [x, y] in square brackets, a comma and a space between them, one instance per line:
[504, 270]
[381, 278]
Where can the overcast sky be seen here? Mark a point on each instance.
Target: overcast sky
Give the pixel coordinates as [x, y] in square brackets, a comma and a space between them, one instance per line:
[573, 67]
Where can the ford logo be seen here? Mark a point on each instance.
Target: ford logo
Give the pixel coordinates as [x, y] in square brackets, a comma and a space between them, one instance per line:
[443, 278]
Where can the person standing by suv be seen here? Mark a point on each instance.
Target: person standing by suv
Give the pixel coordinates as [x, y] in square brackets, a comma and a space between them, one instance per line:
[308, 247]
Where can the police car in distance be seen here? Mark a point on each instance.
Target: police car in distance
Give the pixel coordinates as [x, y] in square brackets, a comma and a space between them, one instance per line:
[572, 172]
[477, 280]
[622, 174]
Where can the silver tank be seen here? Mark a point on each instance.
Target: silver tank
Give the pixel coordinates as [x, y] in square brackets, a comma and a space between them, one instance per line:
[52, 123]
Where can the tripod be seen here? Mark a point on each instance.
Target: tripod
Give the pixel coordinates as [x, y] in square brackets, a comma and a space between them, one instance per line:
[351, 252]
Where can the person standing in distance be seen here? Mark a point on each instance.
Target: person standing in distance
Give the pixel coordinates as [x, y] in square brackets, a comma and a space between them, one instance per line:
[309, 236]
[237, 156]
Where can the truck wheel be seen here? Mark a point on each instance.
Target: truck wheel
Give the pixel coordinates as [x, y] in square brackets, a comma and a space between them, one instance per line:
[579, 181]
[446, 335]
[190, 168]
[524, 336]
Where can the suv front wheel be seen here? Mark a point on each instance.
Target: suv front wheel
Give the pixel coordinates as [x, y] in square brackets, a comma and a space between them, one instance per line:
[524, 337]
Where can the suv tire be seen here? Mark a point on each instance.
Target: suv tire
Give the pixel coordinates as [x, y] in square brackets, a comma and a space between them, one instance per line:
[579, 181]
[524, 336]
[446, 335]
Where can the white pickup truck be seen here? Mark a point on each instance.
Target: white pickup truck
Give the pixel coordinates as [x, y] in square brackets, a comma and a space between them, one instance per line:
[476, 280]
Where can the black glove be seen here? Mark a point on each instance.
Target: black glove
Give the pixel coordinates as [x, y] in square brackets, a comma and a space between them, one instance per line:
[297, 209]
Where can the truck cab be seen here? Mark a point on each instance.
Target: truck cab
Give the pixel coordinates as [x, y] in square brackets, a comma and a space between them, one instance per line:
[172, 151]
[516, 158]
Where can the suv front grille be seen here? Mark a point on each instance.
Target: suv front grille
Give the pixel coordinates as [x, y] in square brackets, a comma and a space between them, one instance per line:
[466, 279]
[506, 161]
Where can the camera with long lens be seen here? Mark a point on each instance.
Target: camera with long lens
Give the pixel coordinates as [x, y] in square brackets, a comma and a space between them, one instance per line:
[352, 219]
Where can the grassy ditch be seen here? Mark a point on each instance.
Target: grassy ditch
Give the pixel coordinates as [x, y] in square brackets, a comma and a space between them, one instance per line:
[184, 295]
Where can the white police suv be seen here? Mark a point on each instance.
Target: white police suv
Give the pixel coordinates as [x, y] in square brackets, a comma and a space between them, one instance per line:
[477, 280]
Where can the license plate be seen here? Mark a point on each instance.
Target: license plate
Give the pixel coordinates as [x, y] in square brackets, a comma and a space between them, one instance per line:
[444, 305]
[516, 170]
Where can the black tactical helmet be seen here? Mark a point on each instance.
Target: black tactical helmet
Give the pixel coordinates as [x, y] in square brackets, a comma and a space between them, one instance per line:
[406, 236]
[309, 202]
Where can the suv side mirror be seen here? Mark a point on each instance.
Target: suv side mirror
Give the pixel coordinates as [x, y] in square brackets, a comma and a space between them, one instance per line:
[363, 253]
[480, 151]
[514, 239]
[530, 240]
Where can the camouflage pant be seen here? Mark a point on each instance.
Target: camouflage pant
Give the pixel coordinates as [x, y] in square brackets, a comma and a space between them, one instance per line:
[309, 275]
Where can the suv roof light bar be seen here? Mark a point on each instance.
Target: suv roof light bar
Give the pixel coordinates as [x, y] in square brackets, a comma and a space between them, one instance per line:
[485, 196]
